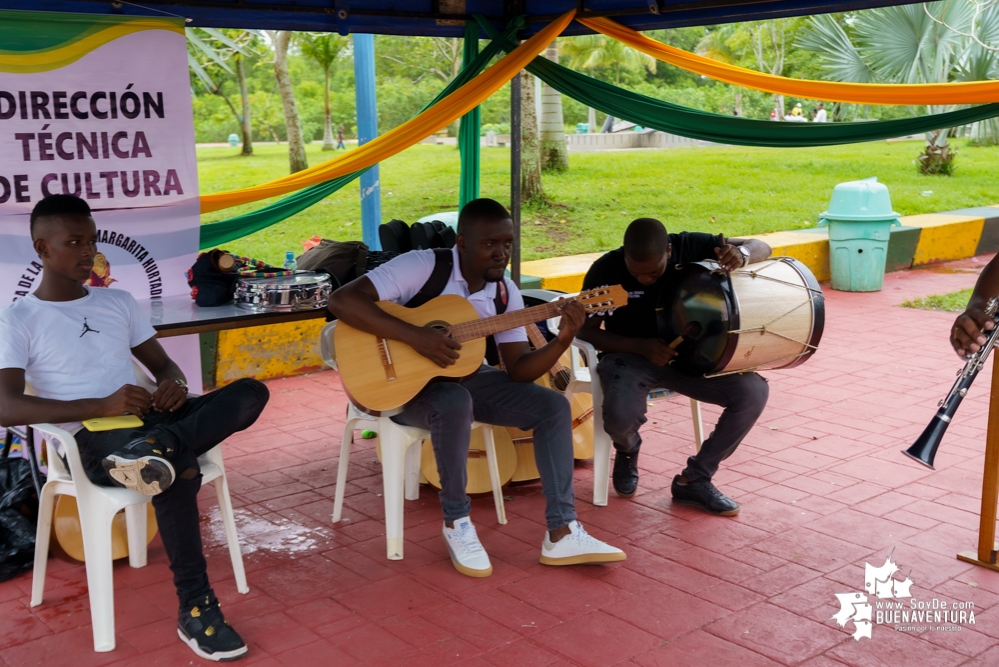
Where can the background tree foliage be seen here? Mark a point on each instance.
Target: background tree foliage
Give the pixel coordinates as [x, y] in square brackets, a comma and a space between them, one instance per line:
[411, 70]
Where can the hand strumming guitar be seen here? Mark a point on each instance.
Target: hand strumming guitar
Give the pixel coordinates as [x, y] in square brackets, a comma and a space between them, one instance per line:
[435, 345]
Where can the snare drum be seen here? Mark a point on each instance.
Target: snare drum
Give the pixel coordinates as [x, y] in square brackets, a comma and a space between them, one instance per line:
[301, 291]
[763, 316]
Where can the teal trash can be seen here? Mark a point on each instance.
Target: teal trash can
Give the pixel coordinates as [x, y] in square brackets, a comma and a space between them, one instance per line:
[859, 220]
[582, 128]
[234, 140]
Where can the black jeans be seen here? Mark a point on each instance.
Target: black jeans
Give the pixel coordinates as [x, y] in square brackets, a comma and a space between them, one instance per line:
[196, 427]
[447, 409]
[626, 380]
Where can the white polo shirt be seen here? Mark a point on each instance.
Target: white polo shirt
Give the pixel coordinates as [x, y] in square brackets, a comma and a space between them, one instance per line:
[400, 279]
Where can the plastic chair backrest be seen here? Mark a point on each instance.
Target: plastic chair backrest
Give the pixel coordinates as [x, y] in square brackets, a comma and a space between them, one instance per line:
[326, 345]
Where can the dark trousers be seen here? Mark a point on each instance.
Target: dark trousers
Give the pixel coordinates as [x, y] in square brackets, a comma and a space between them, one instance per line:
[196, 427]
[626, 380]
[447, 410]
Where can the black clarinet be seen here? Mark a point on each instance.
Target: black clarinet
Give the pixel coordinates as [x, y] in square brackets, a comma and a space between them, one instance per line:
[925, 448]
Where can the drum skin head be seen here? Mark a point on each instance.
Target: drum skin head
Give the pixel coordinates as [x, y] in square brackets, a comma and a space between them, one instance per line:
[699, 298]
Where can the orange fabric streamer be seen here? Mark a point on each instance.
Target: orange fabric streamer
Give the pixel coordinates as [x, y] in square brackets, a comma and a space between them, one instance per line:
[402, 137]
[970, 92]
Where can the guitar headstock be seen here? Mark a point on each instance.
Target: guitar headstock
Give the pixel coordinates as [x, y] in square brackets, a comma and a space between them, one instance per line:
[603, 299]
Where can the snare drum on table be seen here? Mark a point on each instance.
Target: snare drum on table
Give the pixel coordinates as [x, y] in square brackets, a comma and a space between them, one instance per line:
[301, 291]
[764, 316]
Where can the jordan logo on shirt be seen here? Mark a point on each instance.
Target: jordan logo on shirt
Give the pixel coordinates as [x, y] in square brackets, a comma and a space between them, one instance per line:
[86, 328]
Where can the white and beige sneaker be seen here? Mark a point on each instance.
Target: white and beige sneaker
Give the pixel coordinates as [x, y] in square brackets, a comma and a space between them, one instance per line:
[577, 548]
[466, 551]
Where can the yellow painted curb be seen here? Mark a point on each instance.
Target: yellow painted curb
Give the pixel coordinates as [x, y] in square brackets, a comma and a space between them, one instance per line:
[944, 236]
[273, 351]
[810, 249]
[561, 273]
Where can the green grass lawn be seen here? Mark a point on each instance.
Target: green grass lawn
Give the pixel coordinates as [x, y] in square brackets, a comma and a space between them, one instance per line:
[955, 302]
[733, 190]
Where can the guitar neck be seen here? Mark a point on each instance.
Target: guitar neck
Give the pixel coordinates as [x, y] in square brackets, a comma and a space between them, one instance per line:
[493, 325]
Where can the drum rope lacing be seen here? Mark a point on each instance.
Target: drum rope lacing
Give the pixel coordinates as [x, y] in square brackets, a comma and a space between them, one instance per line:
[763, 329]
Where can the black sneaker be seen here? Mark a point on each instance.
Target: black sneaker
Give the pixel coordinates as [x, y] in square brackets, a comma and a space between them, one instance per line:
[702, 493]
[205, 630]
[141, 466]
[625, 475]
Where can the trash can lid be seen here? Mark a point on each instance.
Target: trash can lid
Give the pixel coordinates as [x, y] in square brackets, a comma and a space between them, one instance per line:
[860, 201]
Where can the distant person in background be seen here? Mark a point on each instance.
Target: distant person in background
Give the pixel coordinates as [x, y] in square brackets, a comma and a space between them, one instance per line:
[820, 114]
[339, 138]
[797, 110]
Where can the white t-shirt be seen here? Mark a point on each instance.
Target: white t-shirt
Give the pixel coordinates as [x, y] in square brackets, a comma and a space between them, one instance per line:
[820, 116]
[74, 349]
[400, 279]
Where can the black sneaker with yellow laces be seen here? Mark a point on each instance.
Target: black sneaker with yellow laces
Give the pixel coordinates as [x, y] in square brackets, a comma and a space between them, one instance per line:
[205, 630]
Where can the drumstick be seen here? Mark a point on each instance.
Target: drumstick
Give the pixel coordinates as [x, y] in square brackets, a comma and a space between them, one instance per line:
[692, 330]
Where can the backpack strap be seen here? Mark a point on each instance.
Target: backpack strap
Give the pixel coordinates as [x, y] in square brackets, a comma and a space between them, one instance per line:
[500, 302]
[443, 265]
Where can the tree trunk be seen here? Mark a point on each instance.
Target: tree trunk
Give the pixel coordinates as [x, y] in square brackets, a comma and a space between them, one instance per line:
[554, 152]
[738, 105]
[591, 121]
[530, 157]
[328, 127]
[244, 122]
[296, 146]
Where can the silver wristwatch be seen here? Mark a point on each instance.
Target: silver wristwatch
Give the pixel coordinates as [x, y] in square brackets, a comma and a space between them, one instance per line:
[745, 254]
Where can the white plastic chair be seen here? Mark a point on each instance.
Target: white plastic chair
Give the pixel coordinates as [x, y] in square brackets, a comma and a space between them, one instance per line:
[400, 459]
[97, 508]
[585, 379]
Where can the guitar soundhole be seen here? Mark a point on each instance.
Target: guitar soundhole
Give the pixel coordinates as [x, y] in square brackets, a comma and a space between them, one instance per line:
[439, 325]
[561, 380]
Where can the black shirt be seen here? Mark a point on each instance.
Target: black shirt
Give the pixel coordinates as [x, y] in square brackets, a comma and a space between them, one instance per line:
[638, 318]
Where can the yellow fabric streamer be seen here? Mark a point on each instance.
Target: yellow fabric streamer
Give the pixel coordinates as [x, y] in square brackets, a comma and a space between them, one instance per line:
[971, 92]
[409, 133]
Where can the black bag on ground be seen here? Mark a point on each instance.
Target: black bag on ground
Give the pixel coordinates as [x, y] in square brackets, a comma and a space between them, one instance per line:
[18, 517]
[430, 235]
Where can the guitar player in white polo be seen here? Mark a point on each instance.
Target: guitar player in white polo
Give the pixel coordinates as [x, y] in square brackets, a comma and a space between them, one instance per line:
[474, 269]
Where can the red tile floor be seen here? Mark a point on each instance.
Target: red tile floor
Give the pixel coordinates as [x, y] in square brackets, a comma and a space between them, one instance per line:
[823, 489]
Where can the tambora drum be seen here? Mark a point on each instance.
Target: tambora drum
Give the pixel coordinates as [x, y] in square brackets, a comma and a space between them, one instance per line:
[300, 291]
[763, 316]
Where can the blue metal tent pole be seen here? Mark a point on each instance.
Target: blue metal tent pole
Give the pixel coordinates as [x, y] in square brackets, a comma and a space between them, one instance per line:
[367, 129]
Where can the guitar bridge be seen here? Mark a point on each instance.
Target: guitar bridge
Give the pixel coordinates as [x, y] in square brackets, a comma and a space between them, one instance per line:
[387, 366]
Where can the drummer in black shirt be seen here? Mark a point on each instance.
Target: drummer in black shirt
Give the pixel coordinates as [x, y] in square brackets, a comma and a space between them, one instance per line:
[635, 359]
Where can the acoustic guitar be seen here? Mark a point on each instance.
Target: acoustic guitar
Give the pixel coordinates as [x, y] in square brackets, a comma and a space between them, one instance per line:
[557, 378]
[381, 374]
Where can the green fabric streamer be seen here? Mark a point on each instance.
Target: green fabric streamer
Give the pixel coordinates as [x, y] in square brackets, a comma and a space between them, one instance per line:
[650, 112]
[469, 146]
[216, 233]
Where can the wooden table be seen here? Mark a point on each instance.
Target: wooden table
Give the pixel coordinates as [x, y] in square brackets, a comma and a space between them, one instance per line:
[179, 316]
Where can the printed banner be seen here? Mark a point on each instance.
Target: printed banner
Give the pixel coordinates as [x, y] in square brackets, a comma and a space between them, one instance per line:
[99, 107]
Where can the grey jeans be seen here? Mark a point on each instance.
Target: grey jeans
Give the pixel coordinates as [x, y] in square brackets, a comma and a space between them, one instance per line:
[626, 380]
[448, 409]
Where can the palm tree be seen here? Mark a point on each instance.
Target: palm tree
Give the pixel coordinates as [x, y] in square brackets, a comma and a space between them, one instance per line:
[297, 161]
[931, 43]
[554, 152]
[597, 52]
[717, 46]
[208, 53]
[324, 49]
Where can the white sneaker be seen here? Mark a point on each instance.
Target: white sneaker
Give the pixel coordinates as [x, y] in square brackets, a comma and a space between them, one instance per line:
[466, 551]
[578, 547]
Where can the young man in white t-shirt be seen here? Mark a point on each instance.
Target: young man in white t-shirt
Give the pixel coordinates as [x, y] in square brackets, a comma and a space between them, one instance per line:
[74, 345]
[510, 398]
